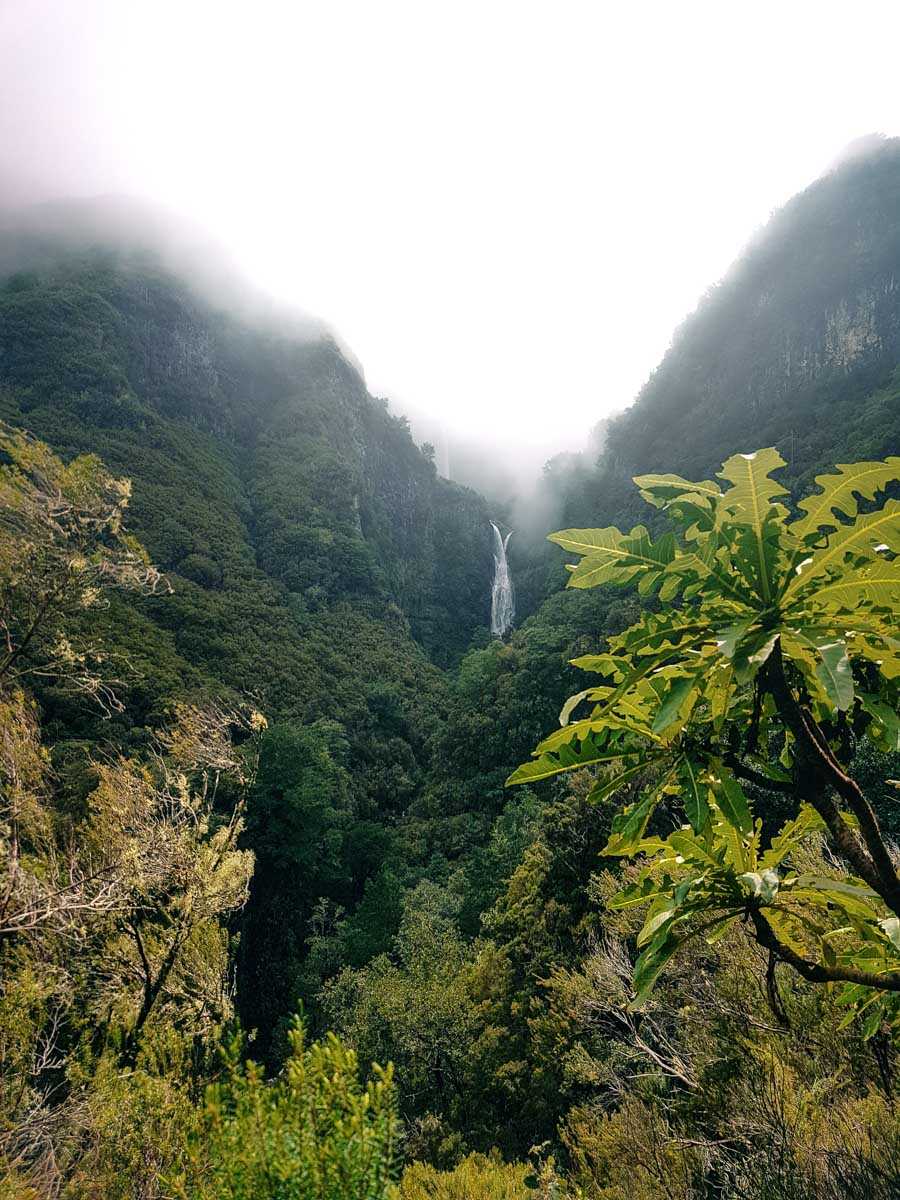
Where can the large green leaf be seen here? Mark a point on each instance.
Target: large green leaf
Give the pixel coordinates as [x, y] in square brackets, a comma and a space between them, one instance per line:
[887, 723]
[839, 492]
[628, 825]
[824, 663]
[655, 631]
[694, 795]
[840, 887]
[651, 962]
[675, 697]
[727, 582]
[664, 945]
[621, 559]
[645, 889]
[835, 675]
[599, 664]
[883, 651]
[752, 653]
[566, 757]
[792, 836]
[661, 490]
[757, 557]
[752, 491]
[853, 899]
[789, 929]
[587, 541]
[863, 537]
[628, 716]
[599, 727]
[607, 706]
[727, 639]
[733, 803]
[594, 693]
[606, 787]
[876, 584]
[693, 849]
[749, 501]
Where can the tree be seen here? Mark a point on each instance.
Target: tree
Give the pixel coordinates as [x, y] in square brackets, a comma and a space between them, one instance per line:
[773, 653]
[415, 1007]
[62, 547]
[314, 1133]
[299, 811]
[114, 909]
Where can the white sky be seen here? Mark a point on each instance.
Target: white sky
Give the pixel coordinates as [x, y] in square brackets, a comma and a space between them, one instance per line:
[504, 208]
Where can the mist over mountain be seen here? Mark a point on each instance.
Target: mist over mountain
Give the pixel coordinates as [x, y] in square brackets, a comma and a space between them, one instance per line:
[133, 232]
[797, 346]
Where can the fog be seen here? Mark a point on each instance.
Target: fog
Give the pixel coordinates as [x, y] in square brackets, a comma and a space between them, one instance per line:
[503, 209]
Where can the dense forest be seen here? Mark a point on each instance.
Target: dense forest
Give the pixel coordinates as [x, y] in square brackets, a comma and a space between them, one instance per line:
[272, 923]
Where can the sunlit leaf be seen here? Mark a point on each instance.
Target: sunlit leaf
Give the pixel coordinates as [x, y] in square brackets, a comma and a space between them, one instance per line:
[695, 805]
[677, 692]
[835, 674]
[839, 492]
[862, 537]
[733, 803]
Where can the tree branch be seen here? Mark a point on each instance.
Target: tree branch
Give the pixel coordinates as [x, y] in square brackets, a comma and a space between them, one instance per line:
[869, 857]
[44, 608]
[889, 981]
[742, 771]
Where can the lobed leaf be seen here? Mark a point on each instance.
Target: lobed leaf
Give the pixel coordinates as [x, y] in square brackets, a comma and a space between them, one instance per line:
[864, 537]
[839, 492]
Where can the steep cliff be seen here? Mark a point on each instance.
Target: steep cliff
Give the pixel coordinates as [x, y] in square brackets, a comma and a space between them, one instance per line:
[261, 465]
[798, 347]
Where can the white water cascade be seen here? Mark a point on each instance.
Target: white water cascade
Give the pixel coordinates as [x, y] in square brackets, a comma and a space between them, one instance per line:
[503, 599]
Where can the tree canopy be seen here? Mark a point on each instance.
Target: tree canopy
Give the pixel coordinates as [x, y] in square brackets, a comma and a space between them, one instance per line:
[774, 646]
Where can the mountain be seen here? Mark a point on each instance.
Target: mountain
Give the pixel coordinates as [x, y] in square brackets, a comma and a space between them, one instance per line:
[259, 460]
[319, 567]
[797, 347]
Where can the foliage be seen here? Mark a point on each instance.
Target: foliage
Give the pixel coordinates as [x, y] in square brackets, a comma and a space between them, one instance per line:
[707, 1086]
[777, 645]
[300, 812]
[62, 546]
[114, 902]
[314, 1133]
[477, 1177]
[415, 1007]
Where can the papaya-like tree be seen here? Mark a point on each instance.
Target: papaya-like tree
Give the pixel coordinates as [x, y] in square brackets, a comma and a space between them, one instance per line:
[772, 649]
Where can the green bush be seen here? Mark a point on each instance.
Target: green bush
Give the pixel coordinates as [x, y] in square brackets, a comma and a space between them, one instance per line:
[314, 1133]
[477, 1177]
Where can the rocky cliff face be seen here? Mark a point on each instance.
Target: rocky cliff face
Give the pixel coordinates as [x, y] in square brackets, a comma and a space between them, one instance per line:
[252, 448]
[798, 346]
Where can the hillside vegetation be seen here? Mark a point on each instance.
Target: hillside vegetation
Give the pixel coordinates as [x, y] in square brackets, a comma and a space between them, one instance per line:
[257, 740]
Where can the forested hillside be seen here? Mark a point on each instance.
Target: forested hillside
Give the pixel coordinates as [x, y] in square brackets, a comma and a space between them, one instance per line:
[797, 348]
[315, 563]
[276, 771]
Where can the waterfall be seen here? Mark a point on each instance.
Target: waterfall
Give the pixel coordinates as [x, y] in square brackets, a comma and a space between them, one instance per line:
[503, 600]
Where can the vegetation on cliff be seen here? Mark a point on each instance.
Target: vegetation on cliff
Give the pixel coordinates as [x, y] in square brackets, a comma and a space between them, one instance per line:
[256, 739]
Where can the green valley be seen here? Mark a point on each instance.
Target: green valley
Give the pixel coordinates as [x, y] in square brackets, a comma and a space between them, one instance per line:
[272, 923]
